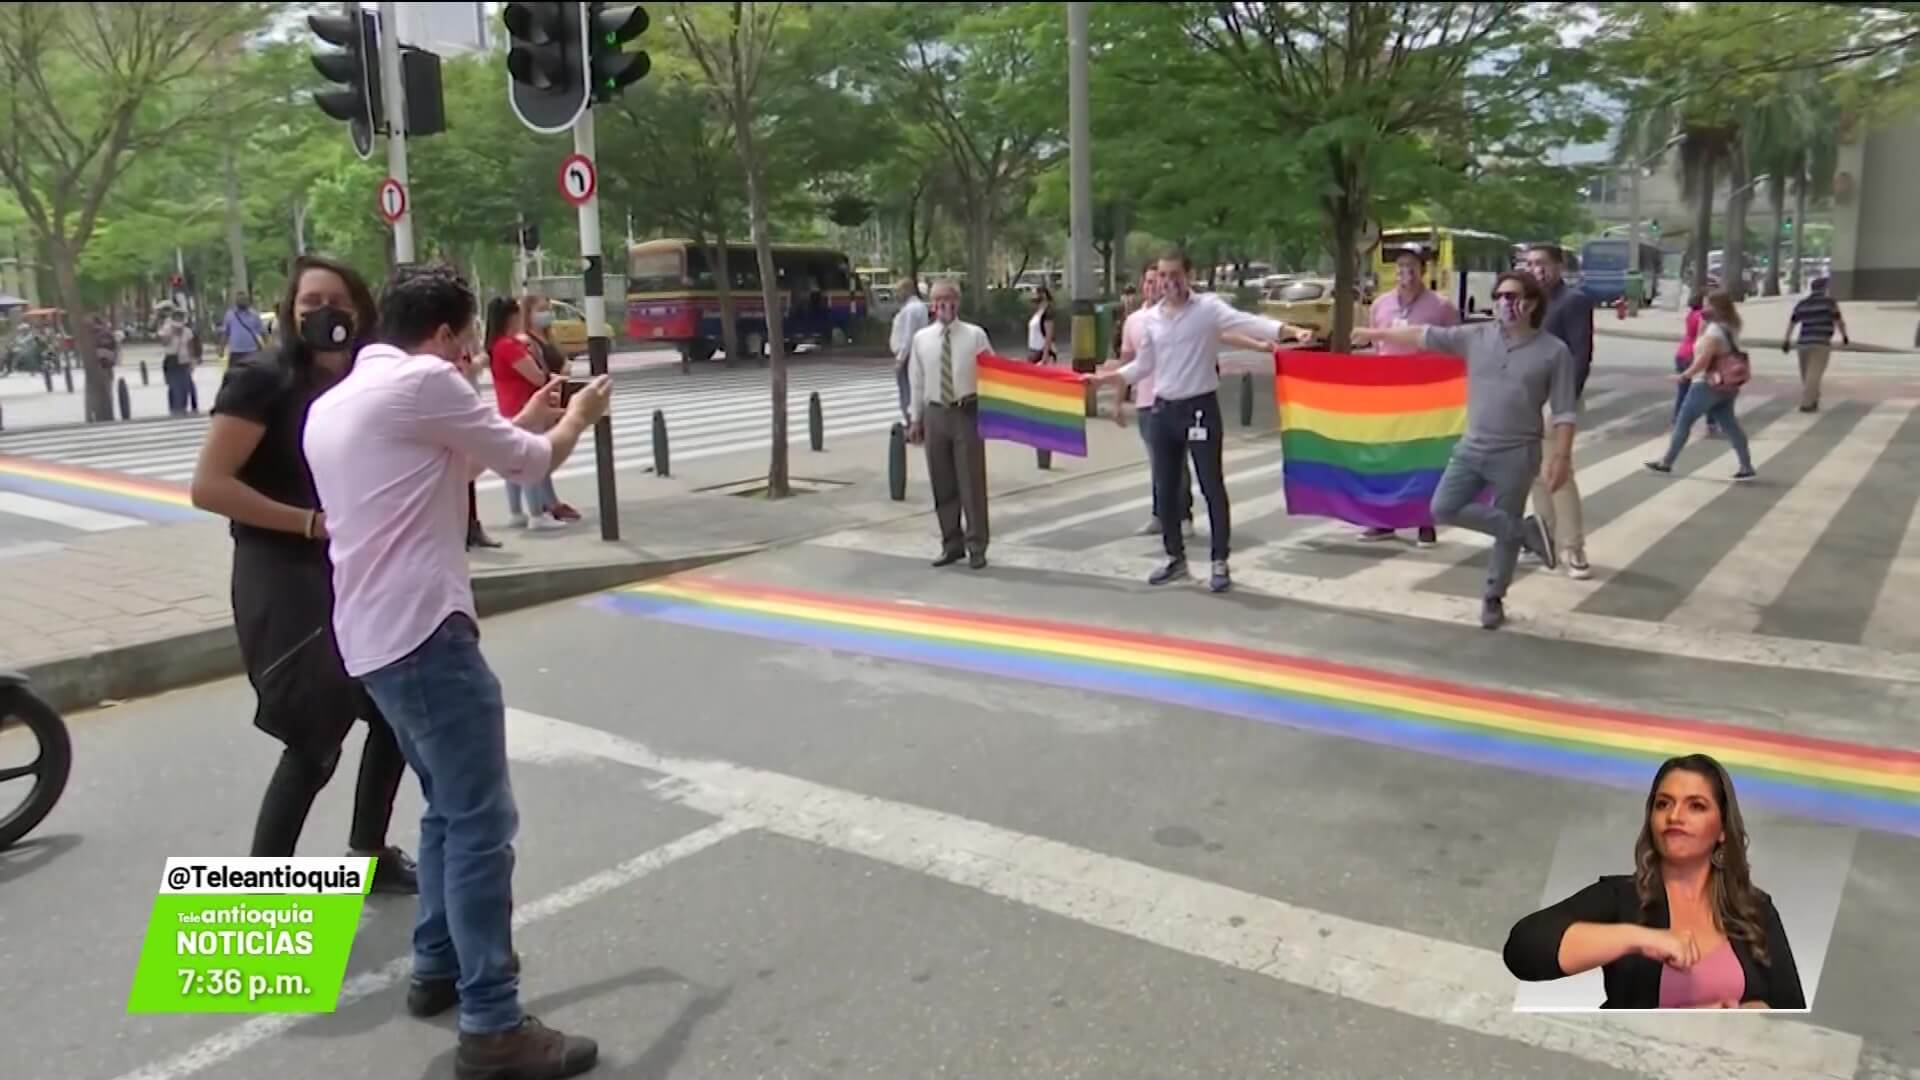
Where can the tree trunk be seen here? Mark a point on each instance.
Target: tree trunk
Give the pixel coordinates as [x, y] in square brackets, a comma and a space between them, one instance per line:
[720, 261]
[979, 248]
[1776, 194]
[777, 486]
[913, 240]
[1703, 227]
[98, 403]
[1799, 225]
[1734, 268]
[1346, 246]
[236, 241]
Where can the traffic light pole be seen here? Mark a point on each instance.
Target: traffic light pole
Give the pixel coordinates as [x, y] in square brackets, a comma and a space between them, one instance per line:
[395, 92]
[597, 343]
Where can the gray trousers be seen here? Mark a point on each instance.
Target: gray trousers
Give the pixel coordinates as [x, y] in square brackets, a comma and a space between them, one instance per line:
[1456, 502]
[957, 465]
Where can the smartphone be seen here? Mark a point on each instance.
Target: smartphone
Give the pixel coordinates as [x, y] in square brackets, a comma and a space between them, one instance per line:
[570, 388]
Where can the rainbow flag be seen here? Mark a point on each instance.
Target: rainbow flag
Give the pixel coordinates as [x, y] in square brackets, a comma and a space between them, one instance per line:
[1045, 408]
[1365, 438]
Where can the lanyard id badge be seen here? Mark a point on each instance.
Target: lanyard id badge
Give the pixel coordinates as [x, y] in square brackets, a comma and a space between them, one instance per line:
[1198, 432]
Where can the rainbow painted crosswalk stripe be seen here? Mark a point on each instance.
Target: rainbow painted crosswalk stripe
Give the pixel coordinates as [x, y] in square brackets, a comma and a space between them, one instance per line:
[108, 492]
[1844, 783]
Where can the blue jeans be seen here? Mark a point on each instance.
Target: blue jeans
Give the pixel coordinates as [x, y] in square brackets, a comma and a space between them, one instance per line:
[540, 498]
[1717, 406]
[903, 381]
[445, 708]
[1456, 501]
[1183, 498]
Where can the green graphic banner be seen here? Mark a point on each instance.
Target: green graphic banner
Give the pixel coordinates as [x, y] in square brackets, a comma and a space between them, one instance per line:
[250, 935]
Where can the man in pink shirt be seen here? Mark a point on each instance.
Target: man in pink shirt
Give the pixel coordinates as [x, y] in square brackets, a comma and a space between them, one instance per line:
[1143, 405]
[392, 448]
[1410, 303]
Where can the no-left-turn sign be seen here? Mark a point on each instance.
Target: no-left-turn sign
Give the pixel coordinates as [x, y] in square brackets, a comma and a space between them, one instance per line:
[578, 181]
[393, 200]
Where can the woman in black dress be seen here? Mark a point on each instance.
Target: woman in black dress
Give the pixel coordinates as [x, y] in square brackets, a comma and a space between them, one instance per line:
[253, 471]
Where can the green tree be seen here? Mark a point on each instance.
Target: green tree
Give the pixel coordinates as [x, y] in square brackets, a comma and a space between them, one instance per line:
[92, 87]
[1380, 97]
[985, 83]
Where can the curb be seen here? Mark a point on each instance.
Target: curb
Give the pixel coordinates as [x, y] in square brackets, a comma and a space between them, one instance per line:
[1654, 335]
[79, 683]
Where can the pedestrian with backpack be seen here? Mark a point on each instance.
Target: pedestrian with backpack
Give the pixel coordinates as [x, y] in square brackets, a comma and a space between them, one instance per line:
[1720, 368]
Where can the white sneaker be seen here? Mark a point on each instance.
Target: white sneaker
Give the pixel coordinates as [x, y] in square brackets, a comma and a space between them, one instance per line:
[517, 521]
[546, 524]
[1577, 566]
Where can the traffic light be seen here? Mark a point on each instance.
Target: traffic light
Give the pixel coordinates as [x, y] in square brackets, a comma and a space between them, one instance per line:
[608, 32]
[357, 69]
[547, 65]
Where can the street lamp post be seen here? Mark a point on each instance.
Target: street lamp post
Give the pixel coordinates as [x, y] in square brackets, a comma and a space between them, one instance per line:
[1633, 228]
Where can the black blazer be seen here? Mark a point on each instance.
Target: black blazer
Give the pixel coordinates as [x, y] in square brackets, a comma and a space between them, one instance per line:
[1633, 982]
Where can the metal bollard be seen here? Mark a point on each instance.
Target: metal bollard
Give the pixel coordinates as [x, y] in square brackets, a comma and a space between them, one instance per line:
[1093, 399]
[67, 373]
[897, 463]
[126, 401]
[46, 374]
[1044, 458]
[1246, 399]
[661, 466]
[3, 420]
[143, 374]
[816, 423]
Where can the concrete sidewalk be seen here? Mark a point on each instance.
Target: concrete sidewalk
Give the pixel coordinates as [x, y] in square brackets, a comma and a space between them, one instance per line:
[1877, 326]
[135, 612]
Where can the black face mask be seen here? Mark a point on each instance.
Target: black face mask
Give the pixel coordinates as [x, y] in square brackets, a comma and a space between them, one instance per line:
[326, 329]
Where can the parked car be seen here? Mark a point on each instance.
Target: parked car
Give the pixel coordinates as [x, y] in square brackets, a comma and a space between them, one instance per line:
[1306, 302]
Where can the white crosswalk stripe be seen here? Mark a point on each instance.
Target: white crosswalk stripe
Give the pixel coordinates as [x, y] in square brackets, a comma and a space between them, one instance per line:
[1715, 611]
[708, 414]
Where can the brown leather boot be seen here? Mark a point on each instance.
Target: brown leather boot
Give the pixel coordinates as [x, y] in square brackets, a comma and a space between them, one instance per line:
[532, 1051]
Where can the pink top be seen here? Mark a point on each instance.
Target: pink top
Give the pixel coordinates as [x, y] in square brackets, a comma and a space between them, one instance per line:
[1694, 318]
[1130, 344]
[1427, 309]
[1716, 978]
[393, 447]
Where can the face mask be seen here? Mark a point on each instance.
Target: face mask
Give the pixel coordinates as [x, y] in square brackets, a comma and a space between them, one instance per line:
[326, 329]
[1508, 310]
[542, 319]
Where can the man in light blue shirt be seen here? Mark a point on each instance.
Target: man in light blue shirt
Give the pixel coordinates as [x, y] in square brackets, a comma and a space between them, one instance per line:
[245, 334]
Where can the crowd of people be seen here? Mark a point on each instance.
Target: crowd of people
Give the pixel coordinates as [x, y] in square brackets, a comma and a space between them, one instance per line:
[1532, 360]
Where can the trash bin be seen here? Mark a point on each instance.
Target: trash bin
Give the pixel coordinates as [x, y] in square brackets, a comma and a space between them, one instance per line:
[1086, 344]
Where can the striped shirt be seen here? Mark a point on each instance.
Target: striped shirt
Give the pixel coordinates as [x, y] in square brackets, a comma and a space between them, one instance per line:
[1816, 315]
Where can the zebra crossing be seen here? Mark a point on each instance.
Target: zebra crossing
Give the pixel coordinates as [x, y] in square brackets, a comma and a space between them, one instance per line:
[1805, 567]
[59, 484]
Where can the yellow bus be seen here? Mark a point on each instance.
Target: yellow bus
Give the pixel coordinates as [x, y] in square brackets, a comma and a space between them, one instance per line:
[1461, 263]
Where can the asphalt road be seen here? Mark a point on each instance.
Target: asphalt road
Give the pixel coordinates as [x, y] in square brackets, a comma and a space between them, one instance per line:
[838, 832]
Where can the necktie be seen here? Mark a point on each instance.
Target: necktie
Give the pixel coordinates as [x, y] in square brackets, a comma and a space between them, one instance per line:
[946, 365]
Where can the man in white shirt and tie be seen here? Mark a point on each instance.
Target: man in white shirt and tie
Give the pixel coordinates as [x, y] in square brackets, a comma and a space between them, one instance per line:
[943, 411]
[908, 321]
[1179, 349]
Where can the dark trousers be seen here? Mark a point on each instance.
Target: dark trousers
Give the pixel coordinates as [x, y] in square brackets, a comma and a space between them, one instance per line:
[1183, 492]
[179, 384]
[957, 465]
[1175, 425]
[298, 778]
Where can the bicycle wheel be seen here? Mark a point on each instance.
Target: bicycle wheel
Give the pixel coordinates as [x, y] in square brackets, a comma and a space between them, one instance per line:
[42, 779]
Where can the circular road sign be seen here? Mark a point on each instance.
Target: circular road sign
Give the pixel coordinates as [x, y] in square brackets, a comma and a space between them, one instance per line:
[393, 200]
[578, 181]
